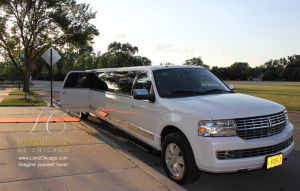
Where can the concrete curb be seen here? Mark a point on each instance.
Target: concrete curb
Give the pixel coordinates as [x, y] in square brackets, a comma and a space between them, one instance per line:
[168, 183]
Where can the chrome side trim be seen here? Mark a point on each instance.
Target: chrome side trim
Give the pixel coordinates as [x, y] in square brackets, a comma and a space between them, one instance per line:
[76, 106]
[141, 131]
[130, 126]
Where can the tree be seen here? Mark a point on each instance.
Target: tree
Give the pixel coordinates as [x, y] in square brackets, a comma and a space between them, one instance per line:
[214, 70]
[238, 70]
[125, 49]
[45, 71]
[141, 61]
[10, 70]
[39, 24]
[286, 74]
[196, 62]
[121, 55]
[55, 71]
[273, 69]
[89, 62]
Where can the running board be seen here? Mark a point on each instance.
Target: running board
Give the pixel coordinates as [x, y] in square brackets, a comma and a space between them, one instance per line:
[148, 150]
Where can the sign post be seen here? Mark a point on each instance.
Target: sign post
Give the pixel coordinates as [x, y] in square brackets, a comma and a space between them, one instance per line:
[51, 57]
[21, 59]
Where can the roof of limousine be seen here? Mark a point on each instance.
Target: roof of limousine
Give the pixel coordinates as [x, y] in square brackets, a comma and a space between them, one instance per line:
[155, 67]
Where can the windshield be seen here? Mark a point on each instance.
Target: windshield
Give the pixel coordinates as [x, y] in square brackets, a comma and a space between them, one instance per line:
[187, 82]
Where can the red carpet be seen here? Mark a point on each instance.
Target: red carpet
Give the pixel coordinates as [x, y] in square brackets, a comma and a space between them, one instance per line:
[41, 120]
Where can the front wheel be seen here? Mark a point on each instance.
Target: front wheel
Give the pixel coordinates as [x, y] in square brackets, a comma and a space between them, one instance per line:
[83, 115]
[178, 159]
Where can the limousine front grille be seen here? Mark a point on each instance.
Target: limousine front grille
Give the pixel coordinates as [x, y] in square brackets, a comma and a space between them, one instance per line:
[256, 152]
[260, 127]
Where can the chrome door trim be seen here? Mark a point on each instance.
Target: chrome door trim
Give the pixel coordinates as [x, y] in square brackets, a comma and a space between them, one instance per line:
[130, 126]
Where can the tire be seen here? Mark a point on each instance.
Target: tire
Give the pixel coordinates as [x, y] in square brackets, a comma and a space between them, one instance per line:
[83, 115]
[178, 159]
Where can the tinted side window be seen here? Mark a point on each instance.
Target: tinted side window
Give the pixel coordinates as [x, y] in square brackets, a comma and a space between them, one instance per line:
[98, 83]
[143, 81]
[124, 81]
[77, 80]
[119, 82]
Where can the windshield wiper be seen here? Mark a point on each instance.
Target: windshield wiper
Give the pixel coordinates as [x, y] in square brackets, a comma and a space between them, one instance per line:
[183, 92]
[216, 90]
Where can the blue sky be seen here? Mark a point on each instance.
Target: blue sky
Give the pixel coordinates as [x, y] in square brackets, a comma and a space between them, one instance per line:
[221, 32]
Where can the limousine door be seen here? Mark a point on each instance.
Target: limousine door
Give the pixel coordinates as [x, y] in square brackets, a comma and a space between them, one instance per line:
[74, 93]
[141, 112]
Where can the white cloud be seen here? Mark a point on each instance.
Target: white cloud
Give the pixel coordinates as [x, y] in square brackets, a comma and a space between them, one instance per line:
[161, 46]
[220, 50]
[167, 46]
[118, 36]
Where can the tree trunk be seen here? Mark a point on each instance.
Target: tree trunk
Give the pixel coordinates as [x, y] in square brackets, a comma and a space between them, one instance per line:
[26, 82]
[37, 74]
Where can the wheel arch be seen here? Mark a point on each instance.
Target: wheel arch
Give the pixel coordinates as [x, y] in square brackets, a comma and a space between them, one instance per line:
[170, 129]
[192, 172]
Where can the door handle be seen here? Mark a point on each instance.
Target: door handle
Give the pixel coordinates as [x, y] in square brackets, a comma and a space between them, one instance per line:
[64, 92]
[132, 105]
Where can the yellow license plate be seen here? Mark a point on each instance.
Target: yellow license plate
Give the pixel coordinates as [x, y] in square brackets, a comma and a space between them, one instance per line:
[275, 160]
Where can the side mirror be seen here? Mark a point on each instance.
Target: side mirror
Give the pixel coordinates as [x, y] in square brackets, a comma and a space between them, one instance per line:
[230, 86]
[142, 94]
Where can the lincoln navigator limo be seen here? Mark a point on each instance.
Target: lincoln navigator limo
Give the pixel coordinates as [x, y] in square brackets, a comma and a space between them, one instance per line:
[192, 118]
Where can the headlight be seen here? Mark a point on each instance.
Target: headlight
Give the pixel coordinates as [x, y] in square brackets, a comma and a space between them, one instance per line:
[217, 128]
[286, 117]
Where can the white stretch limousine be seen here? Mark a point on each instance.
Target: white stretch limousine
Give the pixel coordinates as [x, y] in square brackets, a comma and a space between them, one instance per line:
[195, 120]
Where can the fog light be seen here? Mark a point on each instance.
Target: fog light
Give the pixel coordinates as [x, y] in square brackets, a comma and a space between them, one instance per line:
[229, 154]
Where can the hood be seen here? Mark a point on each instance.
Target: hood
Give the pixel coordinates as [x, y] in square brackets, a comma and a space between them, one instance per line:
[231, 106]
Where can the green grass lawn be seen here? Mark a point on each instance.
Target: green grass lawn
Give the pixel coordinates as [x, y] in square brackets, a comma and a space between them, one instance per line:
[22, 102]
[8, 85]
[20, 92]
[285, 93]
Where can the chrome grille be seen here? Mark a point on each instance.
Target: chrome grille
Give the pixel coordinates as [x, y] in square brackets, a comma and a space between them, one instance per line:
[256, 152]
[260, 127]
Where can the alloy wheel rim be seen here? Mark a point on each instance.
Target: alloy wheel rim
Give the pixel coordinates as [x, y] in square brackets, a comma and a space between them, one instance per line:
[174, 159]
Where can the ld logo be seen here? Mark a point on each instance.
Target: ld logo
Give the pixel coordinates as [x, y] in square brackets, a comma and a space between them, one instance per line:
[49, 115]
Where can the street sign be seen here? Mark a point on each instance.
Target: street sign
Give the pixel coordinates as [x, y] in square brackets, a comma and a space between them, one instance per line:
[21, 59]
[55, 56]
[51, 57]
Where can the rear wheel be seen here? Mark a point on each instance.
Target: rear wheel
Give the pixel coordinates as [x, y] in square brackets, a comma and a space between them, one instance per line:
[178, 159]
[83, 115]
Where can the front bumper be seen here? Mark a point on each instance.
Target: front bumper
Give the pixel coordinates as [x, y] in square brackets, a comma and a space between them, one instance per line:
[205, 149]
